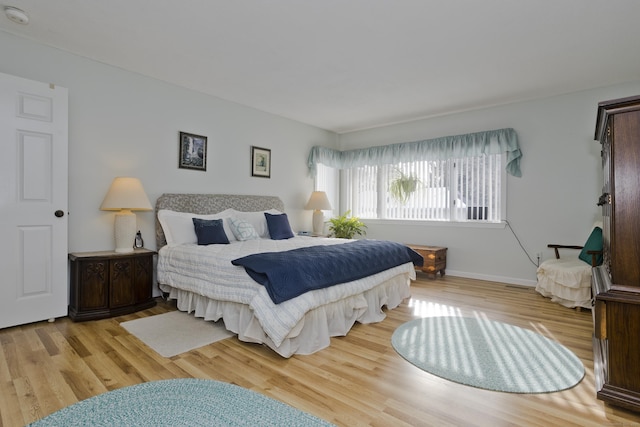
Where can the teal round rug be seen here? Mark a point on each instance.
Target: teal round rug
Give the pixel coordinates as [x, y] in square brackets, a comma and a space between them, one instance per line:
[488, 354]
[181, 402]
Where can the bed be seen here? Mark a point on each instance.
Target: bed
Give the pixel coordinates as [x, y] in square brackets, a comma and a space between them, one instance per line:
[203, 280]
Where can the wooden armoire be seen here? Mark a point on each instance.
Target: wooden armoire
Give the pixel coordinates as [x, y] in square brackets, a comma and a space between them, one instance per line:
[616, 283]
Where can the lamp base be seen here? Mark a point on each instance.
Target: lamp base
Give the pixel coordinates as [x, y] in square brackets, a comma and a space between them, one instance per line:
[318, 222]
[125, 231]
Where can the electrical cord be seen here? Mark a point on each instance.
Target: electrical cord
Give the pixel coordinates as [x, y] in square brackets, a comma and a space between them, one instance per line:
[523, 249]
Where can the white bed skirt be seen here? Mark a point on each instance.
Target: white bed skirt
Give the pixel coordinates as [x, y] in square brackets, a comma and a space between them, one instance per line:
[314, 331]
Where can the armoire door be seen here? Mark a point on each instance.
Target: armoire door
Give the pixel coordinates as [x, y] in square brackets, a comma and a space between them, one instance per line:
[625, 177]
[33, 200]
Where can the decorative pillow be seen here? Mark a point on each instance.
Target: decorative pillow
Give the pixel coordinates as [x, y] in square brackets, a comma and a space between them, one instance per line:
[278, 225]
[243, 230]
[257, 220]
[210, 231]
[179, 229]
[594, 243]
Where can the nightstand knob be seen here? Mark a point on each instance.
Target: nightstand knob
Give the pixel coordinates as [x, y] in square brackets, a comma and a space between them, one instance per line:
[59, 213]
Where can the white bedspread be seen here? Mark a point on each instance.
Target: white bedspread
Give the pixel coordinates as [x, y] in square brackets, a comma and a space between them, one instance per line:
[194, 268]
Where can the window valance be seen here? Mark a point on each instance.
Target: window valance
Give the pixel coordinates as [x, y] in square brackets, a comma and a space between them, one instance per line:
[448, 147]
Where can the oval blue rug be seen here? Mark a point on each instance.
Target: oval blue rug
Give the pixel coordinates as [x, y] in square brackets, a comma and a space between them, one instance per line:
[488, 354]
[180, 402]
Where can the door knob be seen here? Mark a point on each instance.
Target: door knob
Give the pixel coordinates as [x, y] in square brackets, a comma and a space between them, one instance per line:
[59, 213]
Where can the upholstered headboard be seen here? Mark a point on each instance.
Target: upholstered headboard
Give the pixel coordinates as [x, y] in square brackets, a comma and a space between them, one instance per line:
[210, 204]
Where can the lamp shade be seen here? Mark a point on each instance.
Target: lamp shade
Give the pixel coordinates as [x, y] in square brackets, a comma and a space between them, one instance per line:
[124, 195]
[318, 202]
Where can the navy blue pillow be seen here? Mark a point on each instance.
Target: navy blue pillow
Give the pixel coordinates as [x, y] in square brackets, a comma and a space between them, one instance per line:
[210, 231]
[278, 225]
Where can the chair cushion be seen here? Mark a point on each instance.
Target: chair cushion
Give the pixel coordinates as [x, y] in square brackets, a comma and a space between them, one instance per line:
[565, 281]
[567, 272]
[594, 243]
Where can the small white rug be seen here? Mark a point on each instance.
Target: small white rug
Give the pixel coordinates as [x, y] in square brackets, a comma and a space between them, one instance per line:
[176, 332]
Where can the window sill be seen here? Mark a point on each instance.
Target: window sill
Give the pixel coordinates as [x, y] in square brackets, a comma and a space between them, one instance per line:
[425, 223]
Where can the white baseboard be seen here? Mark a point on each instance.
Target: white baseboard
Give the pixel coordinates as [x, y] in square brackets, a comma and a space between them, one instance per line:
[501, 279]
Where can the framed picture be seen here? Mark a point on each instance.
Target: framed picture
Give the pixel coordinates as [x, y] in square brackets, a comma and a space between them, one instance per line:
[261, 162]
[193, 151]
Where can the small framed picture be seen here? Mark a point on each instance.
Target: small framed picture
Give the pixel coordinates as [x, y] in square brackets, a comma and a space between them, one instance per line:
[193, 151]
[261, 162]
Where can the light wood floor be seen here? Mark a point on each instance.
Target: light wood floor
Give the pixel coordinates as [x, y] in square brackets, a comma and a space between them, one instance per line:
[358, 381]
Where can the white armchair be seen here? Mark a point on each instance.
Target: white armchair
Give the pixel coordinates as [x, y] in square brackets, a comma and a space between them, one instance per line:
[567, 280]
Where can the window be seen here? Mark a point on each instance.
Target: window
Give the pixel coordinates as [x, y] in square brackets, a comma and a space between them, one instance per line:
[442, 190]
[327, 180]
[451, 178]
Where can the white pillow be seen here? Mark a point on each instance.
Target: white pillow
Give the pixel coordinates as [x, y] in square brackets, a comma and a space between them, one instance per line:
[242, 230]
[178, 226]
[257, 220]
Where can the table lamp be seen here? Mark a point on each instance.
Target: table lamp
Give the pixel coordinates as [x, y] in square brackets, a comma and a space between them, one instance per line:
[125, 195]
[318, 202]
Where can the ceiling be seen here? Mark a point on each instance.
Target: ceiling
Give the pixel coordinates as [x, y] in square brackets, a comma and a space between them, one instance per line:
[346, 65]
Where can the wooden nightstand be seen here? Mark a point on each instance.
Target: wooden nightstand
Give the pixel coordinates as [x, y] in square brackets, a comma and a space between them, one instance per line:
[106, 284]
[435, 259]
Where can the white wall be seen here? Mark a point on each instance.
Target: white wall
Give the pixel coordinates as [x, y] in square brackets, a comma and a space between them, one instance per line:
[553, 202]
[124, 124]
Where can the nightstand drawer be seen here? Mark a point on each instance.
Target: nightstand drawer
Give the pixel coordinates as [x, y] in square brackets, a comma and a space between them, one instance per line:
[435, 258]
[433, 268]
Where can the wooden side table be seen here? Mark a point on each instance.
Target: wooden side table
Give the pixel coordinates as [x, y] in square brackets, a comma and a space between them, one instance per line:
[435, 259]
[106, 284]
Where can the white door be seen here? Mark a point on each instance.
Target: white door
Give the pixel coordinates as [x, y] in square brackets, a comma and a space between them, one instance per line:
[33, 201]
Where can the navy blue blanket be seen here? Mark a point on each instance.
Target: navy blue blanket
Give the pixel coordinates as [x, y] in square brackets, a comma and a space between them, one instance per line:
[291, 273]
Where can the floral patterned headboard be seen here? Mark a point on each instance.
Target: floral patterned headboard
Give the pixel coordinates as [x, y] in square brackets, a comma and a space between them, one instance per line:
[211, 203]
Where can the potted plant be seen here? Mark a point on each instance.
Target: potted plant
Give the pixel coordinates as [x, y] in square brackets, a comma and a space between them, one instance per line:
[403, 186]
[346, 227]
